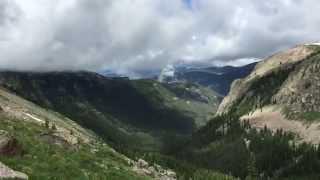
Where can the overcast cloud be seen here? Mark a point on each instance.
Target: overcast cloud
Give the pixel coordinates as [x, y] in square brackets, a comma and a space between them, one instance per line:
[132, 35]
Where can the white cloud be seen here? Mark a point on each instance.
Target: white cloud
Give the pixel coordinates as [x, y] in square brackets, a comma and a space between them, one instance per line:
[133, 35]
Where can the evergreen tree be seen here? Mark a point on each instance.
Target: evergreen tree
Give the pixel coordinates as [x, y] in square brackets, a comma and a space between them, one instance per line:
[252, 170]
[53, 127]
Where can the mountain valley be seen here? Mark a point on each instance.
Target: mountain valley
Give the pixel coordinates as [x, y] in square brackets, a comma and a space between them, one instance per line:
[97, 126]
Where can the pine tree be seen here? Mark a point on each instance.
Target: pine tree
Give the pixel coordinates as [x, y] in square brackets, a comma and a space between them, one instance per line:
[46, 124]
[252, 170]
[53, 127]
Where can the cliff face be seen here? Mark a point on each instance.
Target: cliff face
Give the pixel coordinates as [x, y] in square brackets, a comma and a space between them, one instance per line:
[274, 79]
[300, 92]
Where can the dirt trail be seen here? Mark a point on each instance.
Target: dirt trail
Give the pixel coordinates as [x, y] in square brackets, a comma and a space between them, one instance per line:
[271, 117]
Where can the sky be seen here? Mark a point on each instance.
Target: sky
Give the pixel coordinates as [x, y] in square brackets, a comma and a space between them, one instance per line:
[130, 36]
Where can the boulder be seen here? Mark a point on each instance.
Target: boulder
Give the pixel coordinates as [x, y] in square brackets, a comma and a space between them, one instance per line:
[142, 163]
[8, 173]
[9, 146]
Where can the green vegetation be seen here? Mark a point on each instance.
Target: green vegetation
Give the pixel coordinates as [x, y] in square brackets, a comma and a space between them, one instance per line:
[134, 117]
[116, 110]
[219, 146]
[194, 101]
[311, 116]
[208, 175]
[43, 160]
[228, 145]
[129, 115]
[153, 121]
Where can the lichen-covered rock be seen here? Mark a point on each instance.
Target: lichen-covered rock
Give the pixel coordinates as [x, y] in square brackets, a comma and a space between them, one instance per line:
[155, 171]
[8, 173]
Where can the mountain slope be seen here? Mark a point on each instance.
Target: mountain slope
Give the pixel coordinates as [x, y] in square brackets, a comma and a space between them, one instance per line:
[135, 114]
[230, 145]
[46, 145]
[284, 85]
[69, 90]
[193, 100]
[268, 125]
[268, 75]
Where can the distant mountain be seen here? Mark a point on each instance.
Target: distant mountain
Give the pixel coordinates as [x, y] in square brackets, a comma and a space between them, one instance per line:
[218, 79]
[142, 74]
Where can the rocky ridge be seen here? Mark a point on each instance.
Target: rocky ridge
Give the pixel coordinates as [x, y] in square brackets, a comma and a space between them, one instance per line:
[278, 62]
[282, 92]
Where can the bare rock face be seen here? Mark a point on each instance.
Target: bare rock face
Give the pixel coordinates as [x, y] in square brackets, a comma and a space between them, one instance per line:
[7, 173]
[300, 92]
[142, 163]
[271, 64]
[9, 146]
[155, 171]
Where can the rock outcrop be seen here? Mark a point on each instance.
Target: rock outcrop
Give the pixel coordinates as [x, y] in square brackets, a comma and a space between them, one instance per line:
[300, 92]
[155, 171]
[8, 173]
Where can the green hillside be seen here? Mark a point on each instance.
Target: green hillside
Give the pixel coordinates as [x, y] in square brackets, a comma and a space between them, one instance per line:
[135, 117]
[231, 146]
[46, 145]
[131, 114]
[43, 157]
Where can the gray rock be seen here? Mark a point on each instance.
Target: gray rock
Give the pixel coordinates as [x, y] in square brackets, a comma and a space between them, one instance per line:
[142, 163]
[8, 173]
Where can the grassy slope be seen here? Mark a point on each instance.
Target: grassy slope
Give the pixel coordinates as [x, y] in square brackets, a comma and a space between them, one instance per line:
[88, 158]
[42, 160]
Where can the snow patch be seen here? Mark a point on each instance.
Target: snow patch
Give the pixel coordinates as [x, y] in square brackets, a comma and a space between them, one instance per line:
[315, 43]
[35, 118]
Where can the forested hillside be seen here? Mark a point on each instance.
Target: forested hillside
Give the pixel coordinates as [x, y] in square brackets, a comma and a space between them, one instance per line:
[131, 114]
